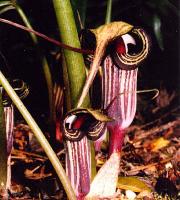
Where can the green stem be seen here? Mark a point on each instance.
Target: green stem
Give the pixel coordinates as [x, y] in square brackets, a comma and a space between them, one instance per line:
[108, 12]
[74, 61]
[66, 84]
[3, 149]
[93, 161]
[46, 68]
[40, 137]
[5, 3]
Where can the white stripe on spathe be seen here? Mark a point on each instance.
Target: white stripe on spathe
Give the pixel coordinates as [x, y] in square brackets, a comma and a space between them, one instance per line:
[119, 86]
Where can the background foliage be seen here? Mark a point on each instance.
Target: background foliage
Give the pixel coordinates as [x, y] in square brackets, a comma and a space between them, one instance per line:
[159, 18]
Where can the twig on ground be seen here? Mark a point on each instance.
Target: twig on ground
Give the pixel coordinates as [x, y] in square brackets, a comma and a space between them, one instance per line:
[145, 133]
[21, 153]
[138, 168]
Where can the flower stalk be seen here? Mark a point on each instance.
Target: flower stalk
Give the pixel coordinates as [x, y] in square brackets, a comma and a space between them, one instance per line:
[108, 12]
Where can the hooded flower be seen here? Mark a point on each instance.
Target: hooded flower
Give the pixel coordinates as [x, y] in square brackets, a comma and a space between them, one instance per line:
[119, 86]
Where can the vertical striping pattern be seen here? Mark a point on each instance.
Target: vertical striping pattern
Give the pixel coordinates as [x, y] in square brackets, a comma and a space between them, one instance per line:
[9, 125]
[119, 93]
[78, 166]
[119, 101]
[119, 82]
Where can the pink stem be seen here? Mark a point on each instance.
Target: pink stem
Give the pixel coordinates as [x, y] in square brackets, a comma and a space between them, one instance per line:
[116, 139]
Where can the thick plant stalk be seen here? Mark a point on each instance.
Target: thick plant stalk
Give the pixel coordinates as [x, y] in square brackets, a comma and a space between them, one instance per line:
[108, 12]
[40, 137]
[78, 153]
[74, 61]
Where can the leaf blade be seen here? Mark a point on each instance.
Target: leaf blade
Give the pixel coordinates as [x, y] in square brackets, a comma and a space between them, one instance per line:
[5, 3]
[132, 183]
[7, 8]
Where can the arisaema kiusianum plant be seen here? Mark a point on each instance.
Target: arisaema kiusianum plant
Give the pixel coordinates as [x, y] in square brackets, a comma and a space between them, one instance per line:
[119, 48]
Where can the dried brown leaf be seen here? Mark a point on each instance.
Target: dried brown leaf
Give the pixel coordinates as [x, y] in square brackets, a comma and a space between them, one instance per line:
[159, 143]
[111, 31]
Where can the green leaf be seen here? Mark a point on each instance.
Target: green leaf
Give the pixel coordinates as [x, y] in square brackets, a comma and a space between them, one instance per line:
[108, 12]
[157, 31]
[5, 9]
[132, 183]
[99, 115]
[5, 3]
[6, 6]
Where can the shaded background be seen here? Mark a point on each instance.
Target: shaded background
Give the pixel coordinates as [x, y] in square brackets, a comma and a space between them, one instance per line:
[159, 18]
